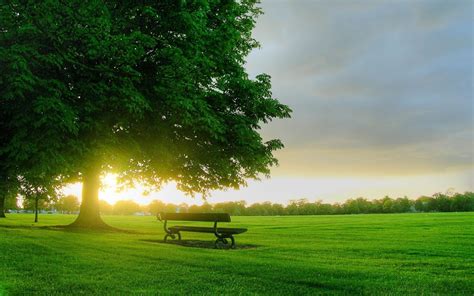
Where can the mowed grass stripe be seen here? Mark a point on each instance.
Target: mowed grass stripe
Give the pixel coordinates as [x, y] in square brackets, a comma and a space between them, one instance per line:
[361, 254]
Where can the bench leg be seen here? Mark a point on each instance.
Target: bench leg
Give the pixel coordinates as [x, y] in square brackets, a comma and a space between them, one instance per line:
[173, 236]
[222, 242]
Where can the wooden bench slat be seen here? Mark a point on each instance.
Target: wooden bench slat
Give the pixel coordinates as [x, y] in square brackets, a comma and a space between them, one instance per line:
[221, 230]
[206, 217]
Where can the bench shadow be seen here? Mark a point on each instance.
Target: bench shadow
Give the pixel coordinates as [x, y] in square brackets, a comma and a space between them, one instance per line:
[202, 244]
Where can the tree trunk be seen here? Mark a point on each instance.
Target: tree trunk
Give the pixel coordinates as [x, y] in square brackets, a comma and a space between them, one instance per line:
[36, 208]
[2, 207]
[89, 215]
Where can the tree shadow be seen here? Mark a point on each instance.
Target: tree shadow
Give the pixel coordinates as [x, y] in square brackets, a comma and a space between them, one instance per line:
[107, 229]
[197, 244]
[68, 228]
[29, 227]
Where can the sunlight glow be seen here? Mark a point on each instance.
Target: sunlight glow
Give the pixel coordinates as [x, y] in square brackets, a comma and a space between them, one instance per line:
[283, 189]
[109, 193]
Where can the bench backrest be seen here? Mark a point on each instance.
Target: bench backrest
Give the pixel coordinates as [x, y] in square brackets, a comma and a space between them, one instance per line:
[211, 217]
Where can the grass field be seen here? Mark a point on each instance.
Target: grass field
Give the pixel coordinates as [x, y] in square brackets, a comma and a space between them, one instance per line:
[352, 254]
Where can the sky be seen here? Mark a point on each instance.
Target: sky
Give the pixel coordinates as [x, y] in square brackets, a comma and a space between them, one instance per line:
[382, 94]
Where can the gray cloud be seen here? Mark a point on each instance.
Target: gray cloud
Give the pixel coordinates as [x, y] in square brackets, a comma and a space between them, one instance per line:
[379, 85]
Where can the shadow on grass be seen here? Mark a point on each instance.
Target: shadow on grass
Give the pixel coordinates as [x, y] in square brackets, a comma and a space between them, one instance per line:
[197, 244]
[29, 227]
[68, 228]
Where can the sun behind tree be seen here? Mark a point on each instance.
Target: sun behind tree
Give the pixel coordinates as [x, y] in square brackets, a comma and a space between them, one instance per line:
[154, 93]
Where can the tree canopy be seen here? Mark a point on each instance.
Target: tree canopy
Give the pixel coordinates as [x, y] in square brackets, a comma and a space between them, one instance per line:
[155, 91]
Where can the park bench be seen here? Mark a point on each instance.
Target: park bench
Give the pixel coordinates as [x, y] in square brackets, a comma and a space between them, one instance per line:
[222, 234]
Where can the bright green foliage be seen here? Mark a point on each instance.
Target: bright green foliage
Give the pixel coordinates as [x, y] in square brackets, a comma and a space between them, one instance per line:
[379, 254]
[152, 90]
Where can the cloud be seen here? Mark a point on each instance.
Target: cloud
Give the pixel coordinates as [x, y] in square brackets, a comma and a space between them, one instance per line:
[377, 87]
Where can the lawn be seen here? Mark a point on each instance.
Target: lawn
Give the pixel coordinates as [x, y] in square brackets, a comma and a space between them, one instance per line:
[353, 254]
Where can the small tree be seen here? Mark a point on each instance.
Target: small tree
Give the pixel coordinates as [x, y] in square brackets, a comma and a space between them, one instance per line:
[206, 207]
[277, 209]
[38, 191]
[194, 209]
[463, 202]
[387, 206]
[105, 208]
[442, 202]
[156, 206]
[126, 207]
[68, 204]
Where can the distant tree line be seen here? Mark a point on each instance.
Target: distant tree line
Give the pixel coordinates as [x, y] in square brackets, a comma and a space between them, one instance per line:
[439, 202]
[68, 204]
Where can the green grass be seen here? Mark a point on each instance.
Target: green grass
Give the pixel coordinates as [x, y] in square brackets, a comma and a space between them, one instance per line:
[354, 254]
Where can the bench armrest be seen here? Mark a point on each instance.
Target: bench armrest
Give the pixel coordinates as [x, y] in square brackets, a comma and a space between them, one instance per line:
[215, 229]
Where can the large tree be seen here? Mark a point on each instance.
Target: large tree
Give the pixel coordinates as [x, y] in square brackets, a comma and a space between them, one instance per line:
[8, 187]
[154, 91]
[8, 194]
[8, 177]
